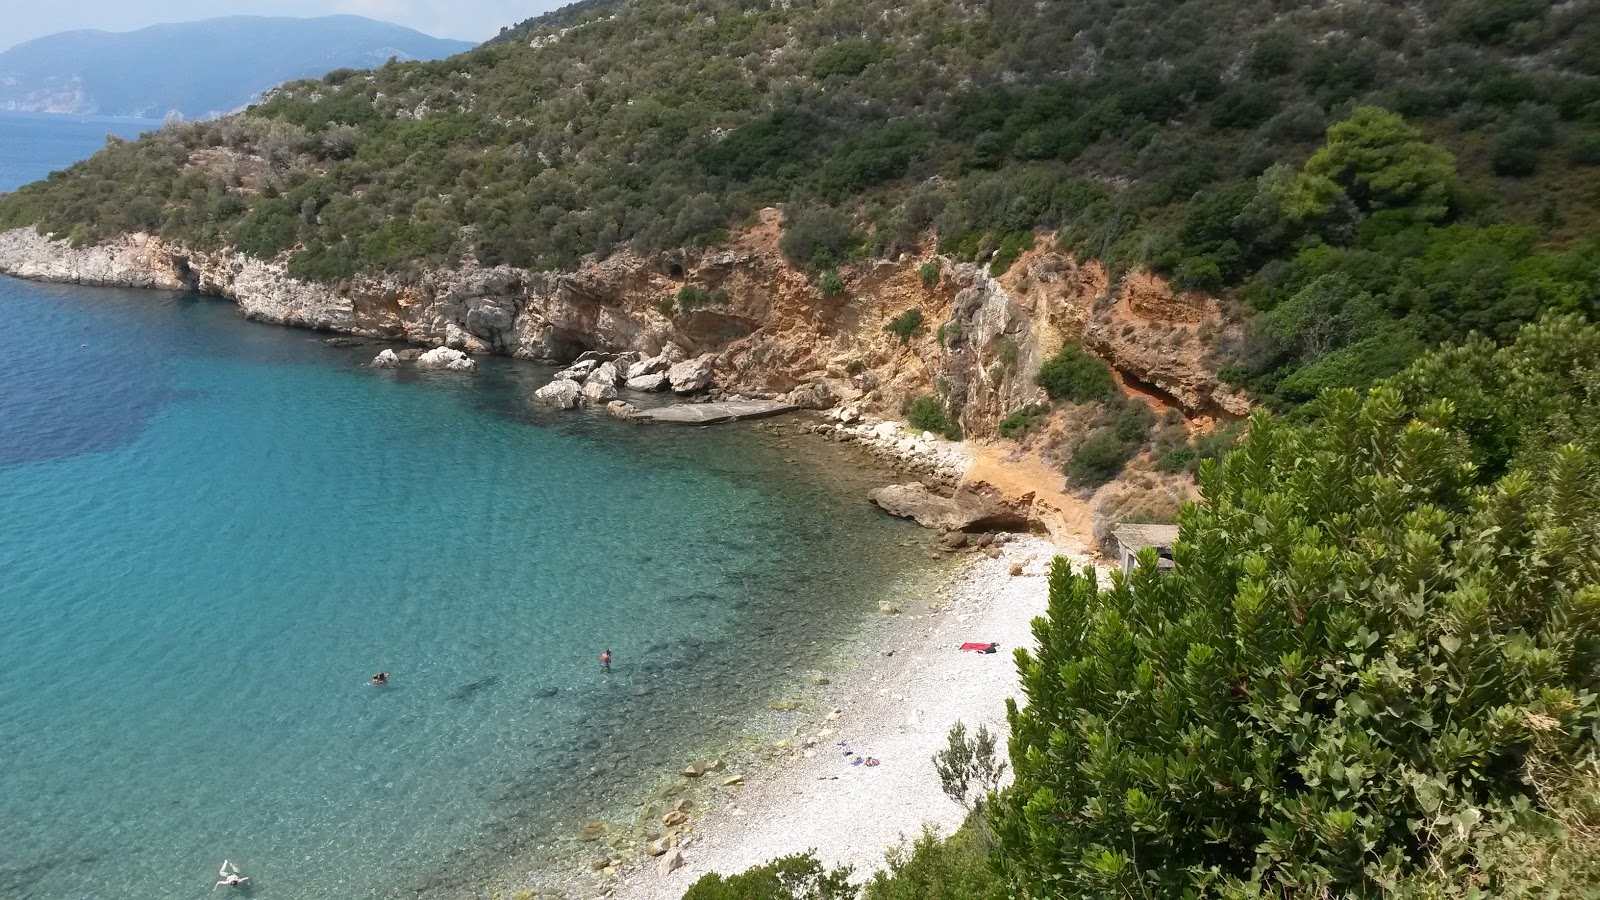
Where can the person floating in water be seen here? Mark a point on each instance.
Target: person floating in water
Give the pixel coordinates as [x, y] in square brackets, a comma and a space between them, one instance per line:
[381, 678]
[231, 879]
[605, 660]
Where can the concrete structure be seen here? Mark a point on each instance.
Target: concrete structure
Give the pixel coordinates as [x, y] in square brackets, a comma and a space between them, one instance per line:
[1132, 538]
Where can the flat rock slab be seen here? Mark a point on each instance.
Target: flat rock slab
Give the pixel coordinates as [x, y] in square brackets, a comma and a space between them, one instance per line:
[714, 413]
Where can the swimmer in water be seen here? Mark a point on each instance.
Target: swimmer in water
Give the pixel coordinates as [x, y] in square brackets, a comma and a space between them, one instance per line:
[605, 660]
[231, 879]
[380, 679]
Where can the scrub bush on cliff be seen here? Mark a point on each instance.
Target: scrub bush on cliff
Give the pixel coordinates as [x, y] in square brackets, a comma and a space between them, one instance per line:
[1340, 689]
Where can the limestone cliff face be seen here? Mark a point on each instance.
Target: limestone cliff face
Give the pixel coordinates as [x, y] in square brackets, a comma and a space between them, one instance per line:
[771, 329]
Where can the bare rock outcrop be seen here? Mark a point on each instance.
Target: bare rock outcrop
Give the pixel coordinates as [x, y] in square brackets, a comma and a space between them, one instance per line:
[771, 332]
[964, 511]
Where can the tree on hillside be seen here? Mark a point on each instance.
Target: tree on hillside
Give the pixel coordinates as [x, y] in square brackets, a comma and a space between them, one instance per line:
[1374, 161]
[1353, 684]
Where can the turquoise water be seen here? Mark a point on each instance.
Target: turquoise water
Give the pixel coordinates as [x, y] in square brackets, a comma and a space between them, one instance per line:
[212, 532]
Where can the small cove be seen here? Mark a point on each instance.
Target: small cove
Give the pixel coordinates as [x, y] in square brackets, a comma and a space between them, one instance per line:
[212, 532]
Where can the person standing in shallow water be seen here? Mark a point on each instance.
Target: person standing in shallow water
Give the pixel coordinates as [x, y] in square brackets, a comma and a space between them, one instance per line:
[605, 660]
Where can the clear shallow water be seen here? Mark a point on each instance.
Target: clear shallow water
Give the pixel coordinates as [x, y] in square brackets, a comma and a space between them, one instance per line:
[213, 531]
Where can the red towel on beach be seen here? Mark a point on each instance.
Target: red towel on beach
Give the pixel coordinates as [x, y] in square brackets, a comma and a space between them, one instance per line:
[980, 648]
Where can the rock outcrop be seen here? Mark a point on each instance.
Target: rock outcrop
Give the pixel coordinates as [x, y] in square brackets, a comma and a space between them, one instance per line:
[385, 360]
[773, 336]
[962, 512]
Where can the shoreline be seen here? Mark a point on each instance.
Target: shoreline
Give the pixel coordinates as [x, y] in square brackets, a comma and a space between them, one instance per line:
[897, 707]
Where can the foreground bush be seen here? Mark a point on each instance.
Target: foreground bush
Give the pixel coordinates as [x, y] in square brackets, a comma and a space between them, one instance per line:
[1344, 689]
[798, 877]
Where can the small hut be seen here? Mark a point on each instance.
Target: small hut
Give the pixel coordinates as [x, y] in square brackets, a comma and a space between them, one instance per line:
[1133, 538]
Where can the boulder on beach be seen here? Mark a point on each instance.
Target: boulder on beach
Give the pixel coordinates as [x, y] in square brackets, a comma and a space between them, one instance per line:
[965, 511]
[816, 395]
[692, 375]
[447, 359]
[561, 394]
[578, 371]
[385, 360]
[598, 390]
[654, 381]
[652, 366]
[669, 863]
[607, 373]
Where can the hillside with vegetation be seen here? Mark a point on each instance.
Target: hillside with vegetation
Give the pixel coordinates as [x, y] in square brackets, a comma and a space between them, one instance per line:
[1365, 179]
[1372, 671]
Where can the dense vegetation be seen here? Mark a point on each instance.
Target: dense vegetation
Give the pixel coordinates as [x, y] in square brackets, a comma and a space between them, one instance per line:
[1372, 673]
[1188, 136]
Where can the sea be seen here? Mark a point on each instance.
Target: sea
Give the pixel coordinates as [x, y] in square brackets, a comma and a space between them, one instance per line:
[213, 532]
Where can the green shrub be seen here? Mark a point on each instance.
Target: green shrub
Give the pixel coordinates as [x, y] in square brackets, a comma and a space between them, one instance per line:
[847, 57]
[830, 284]
[928, 414]
[798, 877]
[1584, 149]
[692, 297]
[1005, 352]
[1018, 421]
[952, 333]
[818, 238]
[1515, 153]
[957, 868]
[1096, 460]
[1245, 106]
[1011, 247]
[906, 326]
[1343, 687]
[1075, 376]
[929, 273]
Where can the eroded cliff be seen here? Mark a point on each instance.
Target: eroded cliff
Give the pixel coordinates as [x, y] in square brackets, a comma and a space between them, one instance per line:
[771, 329]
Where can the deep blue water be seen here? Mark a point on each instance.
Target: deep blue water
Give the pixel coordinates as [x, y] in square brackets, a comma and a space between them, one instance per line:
[213, 531]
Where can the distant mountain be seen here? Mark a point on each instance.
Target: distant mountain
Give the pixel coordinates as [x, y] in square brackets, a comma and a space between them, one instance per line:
[197, 69]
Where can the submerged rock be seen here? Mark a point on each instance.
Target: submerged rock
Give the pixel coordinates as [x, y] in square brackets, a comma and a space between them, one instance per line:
[561, 394]
[447, 359]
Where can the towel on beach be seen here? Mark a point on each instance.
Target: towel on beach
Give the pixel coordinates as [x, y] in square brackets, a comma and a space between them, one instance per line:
[980, 648]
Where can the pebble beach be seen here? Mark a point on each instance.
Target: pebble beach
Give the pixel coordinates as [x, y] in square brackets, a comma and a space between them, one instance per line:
[897, 708]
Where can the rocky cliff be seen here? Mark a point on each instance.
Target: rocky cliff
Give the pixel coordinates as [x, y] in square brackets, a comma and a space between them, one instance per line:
[771, 329]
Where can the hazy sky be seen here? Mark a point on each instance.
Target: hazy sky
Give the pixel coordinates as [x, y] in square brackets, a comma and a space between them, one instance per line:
[472, 20]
